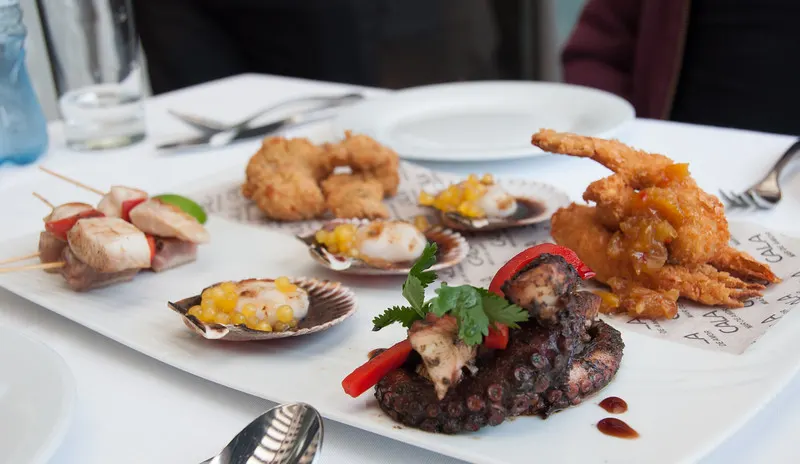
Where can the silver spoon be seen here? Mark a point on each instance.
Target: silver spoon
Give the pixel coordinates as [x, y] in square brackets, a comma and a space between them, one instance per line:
[286, 434]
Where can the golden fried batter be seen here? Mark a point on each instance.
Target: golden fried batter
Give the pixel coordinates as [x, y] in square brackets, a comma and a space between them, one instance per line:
[367, 157]
[287, 178]
[354, 196]
[283, 176]
[654, 233]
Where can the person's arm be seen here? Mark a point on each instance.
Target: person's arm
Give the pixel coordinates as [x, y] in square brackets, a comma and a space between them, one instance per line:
[600, 52]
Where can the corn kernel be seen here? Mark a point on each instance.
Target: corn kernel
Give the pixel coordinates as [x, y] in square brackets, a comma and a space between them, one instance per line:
[472, 179]
[228, 287]
[264, 326]
[222, 318]
[228, 302]
[470, 210]
[421, 223]
[252, 322]
[195, 311]
[426, 199]
[215, 294]
[322, 236]
[285, 313]
[207, 303]
[206, 295]
[207, 315]
[284, 285]
[471, 194]
[238, 319]
[293, 323]
[249, 309]
[487, 179]
[280, 327]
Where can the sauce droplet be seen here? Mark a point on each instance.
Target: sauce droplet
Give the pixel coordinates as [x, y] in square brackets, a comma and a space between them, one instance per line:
[375, 352]
[616, 428]
[614, 405]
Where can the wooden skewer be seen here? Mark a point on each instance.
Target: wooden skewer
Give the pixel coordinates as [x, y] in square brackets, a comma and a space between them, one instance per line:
[20, 258]
[43, 200]
[32, 267]
[73, 181]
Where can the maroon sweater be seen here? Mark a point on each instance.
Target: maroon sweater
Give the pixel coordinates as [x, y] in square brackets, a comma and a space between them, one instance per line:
[632, 48]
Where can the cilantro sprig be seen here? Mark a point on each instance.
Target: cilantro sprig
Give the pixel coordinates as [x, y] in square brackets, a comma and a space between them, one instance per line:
[475, 309]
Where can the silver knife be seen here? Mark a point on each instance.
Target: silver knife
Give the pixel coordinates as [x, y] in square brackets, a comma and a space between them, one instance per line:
[250, 132]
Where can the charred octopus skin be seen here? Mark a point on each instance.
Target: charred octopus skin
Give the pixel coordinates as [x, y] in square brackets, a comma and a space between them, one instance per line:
[554, 360]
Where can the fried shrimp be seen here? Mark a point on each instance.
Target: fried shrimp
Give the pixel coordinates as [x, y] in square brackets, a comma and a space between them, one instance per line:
[294, 180]
[367, 157]
[653, 234]
[283, 177]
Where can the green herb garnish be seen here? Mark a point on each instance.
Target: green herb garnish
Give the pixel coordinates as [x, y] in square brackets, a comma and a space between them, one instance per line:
[475, 308]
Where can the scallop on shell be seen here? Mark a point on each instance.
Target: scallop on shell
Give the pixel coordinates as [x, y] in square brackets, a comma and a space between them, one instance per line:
[536, 202]
[330, 303]
[452, 248]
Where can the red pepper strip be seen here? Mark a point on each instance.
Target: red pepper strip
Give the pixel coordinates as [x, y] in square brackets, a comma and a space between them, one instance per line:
[518, 262]
[128, 205]
[497, 338]
[152, 242]
[60, 227]
[367, 375]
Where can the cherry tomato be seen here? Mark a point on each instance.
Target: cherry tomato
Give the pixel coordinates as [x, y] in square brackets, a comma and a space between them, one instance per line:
[61, 227]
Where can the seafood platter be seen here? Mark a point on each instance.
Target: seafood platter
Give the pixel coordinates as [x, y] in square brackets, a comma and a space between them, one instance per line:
[363, 315]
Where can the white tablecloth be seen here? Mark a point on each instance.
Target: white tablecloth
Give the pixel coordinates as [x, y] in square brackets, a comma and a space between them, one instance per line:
[131, 408]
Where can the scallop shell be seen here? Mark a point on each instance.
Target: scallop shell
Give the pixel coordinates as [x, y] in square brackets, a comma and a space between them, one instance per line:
[536, 202]
[452, 249]
[330, 303]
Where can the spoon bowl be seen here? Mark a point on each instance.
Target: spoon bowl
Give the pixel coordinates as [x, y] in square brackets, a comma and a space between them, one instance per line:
[286, 434]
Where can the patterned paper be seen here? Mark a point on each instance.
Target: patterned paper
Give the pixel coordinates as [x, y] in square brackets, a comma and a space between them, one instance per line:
[719, 329]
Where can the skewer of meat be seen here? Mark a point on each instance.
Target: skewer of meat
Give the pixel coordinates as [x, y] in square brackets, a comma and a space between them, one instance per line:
[176, 233]
[99, 251]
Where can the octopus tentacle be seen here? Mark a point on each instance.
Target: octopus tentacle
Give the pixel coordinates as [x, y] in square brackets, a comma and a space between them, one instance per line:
[532, 375]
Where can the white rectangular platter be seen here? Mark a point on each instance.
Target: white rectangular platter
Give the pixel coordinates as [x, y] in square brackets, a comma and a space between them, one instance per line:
[683, 401]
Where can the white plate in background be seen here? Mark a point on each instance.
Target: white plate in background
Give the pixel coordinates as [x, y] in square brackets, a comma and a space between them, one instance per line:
[482, 121]
[37, 393]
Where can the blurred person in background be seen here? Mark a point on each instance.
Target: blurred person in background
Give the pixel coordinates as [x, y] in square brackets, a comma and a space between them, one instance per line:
[383, 43]
[716, 62]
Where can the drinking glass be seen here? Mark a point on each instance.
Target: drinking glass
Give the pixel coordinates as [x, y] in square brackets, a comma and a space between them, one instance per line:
[95, 56]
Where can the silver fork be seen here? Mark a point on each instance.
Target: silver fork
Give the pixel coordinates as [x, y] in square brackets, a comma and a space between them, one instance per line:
[210, 126]
[766, 193]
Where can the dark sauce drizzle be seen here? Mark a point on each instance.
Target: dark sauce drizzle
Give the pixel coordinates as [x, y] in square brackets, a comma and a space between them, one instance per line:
[616, 428]
[614, 405]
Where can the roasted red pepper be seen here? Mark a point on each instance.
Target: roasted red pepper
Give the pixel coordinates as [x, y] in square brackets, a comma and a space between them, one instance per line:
[368, 374]
[61, 227]
[497, 338]
[128, 205]
[518, 262]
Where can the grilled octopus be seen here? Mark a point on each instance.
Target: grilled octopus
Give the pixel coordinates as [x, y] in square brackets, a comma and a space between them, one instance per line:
[561, 355]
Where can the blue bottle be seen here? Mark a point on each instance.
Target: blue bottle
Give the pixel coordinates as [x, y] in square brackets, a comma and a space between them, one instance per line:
[23, 128]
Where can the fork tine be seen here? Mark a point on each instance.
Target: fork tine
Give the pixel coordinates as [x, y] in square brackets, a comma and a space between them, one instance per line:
[746, 200]
[728, 199]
